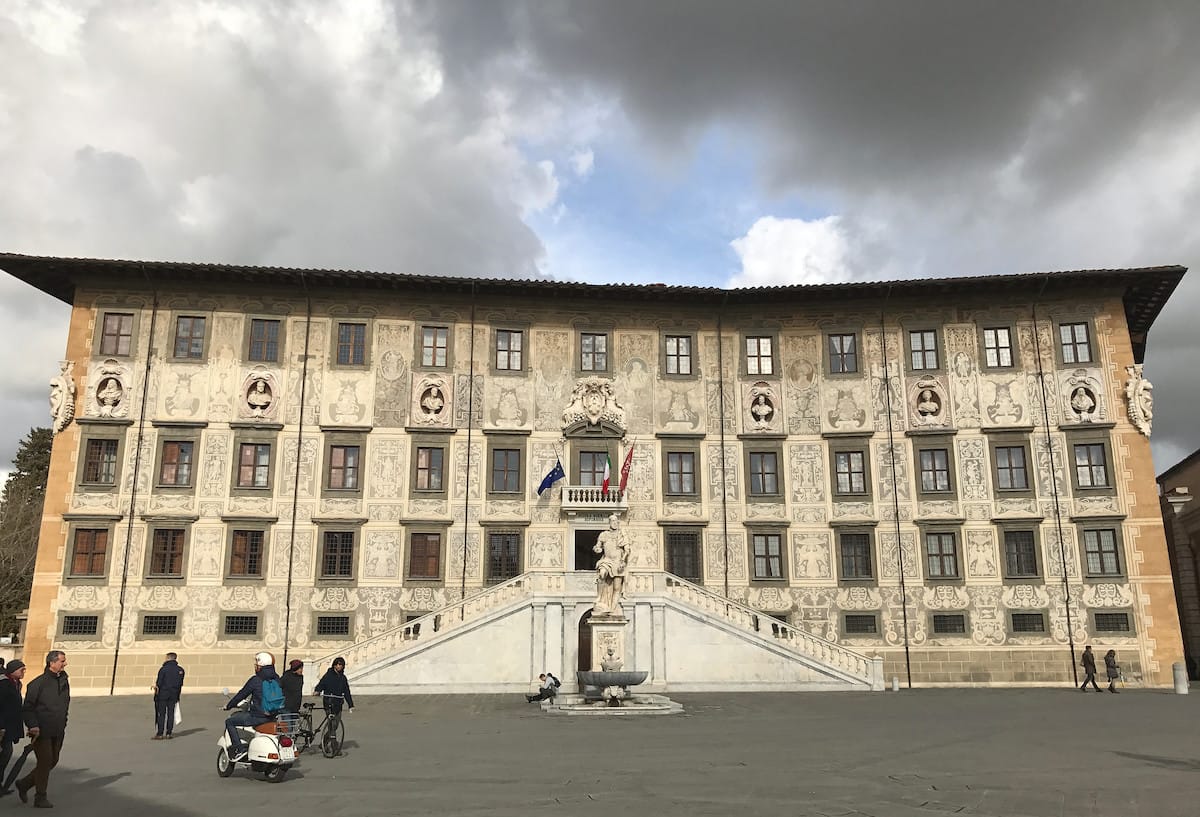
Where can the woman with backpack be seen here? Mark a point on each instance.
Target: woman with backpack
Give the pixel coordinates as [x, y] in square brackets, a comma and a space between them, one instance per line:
[334, 688]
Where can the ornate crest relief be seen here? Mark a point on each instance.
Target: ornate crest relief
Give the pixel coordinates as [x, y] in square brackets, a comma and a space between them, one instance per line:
[1140, 397]
[592, 401]
[62, 396]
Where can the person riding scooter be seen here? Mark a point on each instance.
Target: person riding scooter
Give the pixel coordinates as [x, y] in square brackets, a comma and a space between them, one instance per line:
[264, 670]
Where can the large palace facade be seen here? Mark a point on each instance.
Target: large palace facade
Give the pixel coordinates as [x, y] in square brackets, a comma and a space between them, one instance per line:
[945, 481]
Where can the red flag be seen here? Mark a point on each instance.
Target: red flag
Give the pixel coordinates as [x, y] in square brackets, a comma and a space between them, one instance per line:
[625, 468]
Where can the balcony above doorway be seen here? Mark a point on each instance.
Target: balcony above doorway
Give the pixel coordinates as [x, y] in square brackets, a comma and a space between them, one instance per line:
[592, 498]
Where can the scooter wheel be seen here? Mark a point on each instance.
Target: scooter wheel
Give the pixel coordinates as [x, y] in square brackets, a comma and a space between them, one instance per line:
[224, 764]
[275, 774]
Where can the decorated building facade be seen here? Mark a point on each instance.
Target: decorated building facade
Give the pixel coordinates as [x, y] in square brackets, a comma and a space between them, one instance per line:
[815, 487]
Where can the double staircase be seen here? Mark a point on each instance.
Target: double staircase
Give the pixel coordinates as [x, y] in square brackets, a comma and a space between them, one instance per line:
[479, 635]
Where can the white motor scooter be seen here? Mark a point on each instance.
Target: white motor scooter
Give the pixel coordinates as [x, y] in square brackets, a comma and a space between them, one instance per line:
[270, 748]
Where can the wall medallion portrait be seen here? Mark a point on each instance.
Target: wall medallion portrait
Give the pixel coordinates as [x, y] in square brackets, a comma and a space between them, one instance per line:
[927, 399]
[761, 412]
[110, 390]
[259, 396]
[432, 402]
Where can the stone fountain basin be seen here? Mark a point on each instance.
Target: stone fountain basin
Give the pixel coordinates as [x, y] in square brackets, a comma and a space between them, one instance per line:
[601, 678]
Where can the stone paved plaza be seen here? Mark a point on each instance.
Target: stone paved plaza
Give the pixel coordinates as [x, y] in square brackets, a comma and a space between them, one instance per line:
[923, 752]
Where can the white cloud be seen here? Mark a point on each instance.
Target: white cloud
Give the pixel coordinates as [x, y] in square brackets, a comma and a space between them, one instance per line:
[784, 251]
[582, 162]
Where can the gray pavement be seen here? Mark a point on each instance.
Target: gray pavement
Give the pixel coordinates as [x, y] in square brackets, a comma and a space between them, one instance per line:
[924, 752]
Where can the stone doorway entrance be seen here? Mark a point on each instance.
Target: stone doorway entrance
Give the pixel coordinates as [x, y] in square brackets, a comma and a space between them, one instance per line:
[585, 559]
[585, 642]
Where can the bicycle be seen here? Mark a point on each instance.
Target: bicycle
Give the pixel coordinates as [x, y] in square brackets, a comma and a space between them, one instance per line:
[331, 729]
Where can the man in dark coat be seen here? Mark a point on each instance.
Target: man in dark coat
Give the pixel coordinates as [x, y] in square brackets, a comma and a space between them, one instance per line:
[292, 682]
[1089, 669]
[167, 689]
[47, 701]
[12, 725]
[264, 670]
[334, 688]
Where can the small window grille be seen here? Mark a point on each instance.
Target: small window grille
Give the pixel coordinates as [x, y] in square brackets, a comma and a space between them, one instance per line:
[241, 625]
[950, 623]
[333, 625]
[1112, 622]
[861, 624]
[1028, 623]
[159, 625]
[80, 625]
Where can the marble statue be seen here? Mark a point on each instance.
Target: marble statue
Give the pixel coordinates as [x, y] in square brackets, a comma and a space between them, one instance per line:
[62, 396]
[610, 570]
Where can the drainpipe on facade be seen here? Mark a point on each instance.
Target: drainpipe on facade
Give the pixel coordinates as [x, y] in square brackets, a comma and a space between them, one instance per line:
[721, 417]
[287, 620]
[887, 391]
[137, 462]
[1062, 552]
[462, 610]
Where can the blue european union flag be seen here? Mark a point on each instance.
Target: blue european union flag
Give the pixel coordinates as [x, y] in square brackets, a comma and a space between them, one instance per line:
[556, 473]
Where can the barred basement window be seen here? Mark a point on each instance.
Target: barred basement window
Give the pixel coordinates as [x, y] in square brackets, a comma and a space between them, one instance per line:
[1028, 623]
[241, 625]
[1112, 622]
[861, 624]
[159, 625]
[333, 625]
[80, 625]
[949, 623]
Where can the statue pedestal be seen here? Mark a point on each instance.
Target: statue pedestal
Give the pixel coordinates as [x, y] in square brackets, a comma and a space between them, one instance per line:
[608, 641]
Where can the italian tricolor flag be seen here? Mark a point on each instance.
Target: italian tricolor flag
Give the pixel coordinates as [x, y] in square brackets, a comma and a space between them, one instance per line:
[607, 472]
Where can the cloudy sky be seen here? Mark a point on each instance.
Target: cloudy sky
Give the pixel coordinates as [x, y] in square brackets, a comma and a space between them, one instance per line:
[678, 141]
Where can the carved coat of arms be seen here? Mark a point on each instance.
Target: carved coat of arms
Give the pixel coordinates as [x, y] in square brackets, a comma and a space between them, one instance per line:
[593, 400]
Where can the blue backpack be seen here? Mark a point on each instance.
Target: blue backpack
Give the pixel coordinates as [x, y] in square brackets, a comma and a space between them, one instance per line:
[272, 697]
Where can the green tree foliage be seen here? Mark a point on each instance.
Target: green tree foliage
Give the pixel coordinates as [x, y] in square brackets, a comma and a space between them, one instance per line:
[20, 521]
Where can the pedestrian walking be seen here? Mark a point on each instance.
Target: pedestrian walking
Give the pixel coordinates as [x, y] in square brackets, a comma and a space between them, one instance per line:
[1112, 670]
[1089, 669]
[12, 726]
[47, 701]
[292, 682]
[168, 688]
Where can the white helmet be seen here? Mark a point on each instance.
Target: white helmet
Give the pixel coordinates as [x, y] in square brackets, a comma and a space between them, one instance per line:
[264, 659]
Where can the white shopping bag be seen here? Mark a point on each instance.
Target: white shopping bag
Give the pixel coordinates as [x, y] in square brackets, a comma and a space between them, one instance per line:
[178, 714]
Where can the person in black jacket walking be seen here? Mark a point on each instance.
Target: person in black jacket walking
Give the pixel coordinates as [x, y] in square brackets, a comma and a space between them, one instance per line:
[334, 688]
[47, 701]
[167, 689]
[12, 726]
[292, 682]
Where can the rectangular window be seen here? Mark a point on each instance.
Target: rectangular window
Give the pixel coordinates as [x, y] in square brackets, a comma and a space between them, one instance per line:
[1011, 474]
[591, 467]
[506, 470]
[941, 554]
[337, 555]
[166, 555]
[425, 556]
[681, 472]
[176, 468]
[850, 471]
[997, 347]
[333, 625]
[768, 556]
[241, 625]
[949, 624]
[117, 334]
[434, 341]
[504, 556]
[1028, 623]
[91, 550]
[1112, 623]
[1100, 549]
[80, 625]
[189, 337]
[843, 354]
[1091, 470]
[352, 344]
[683, 554]
[509, 345]
[758, 356]
[1076, 348]
[856, 556]
[254, 465]
[923, 346]
[246, 553]
[593, 352]
[159, 625]
[1020, 554]
[935, 470]
[100, 462]
[344, 463]
[429, 469]
[679, 354]
[860, 624]
[264, 340]
[764, 473]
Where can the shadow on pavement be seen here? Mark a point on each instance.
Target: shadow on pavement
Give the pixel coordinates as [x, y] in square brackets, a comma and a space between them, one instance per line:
[1163, 762]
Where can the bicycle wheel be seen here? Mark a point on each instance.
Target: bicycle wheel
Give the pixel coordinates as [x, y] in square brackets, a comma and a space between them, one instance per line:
[334, 736]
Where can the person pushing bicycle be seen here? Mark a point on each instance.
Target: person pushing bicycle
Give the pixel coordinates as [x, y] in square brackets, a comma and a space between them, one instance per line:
[334, 688]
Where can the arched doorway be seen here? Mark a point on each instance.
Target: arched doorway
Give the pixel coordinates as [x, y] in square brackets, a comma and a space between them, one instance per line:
[585, 642]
